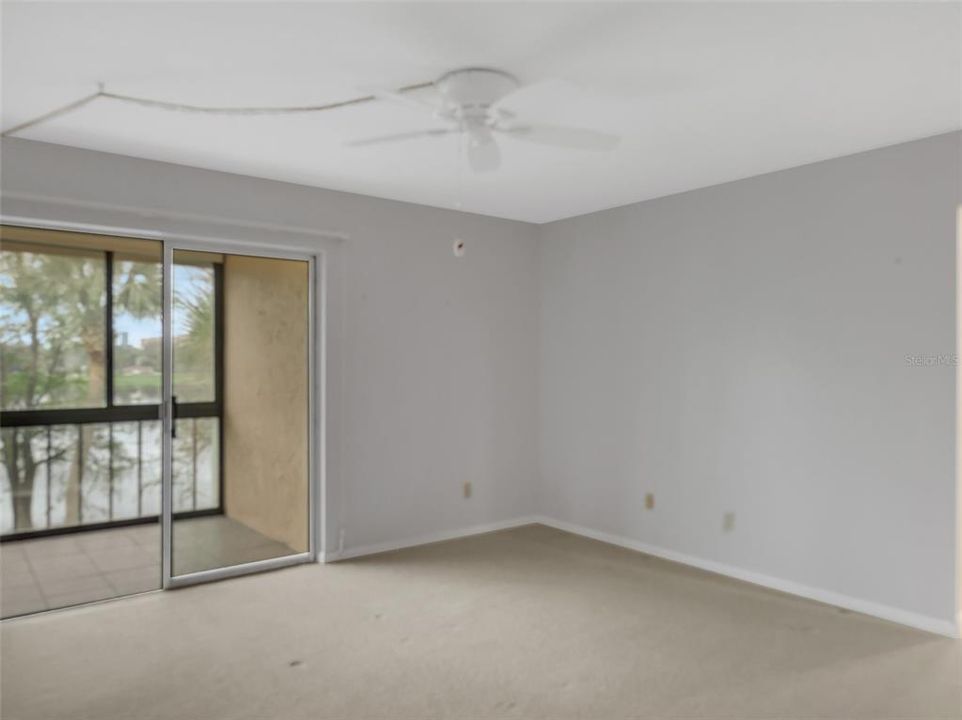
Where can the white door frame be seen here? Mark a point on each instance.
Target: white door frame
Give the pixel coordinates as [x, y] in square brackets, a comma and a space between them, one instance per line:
[171, 244]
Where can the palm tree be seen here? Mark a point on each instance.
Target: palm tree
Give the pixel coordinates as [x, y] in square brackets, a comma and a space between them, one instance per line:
[52, 305]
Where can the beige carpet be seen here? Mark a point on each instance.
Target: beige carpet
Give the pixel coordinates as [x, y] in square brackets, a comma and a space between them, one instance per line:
[524, 623]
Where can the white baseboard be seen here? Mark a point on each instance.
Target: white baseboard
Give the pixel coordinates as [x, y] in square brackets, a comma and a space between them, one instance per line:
[425, 539]
[903, 617]
[885, 612]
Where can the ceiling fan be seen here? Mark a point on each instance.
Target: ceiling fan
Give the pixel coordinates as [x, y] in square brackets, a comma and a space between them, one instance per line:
[474, 103]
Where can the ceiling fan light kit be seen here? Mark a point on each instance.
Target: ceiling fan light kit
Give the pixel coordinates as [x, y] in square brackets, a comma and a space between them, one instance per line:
[469, 94]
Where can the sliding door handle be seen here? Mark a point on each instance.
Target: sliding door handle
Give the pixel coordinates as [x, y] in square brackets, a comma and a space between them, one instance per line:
[173, 416]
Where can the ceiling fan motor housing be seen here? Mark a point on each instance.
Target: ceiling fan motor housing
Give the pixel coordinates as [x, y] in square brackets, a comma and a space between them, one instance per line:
[469, 93]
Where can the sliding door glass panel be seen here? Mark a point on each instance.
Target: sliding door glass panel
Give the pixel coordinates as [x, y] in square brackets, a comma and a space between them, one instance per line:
[128, 471]
[52, 302]
[138, 326]
[194, 320]
[80, 464]
[196, 454]
[241, 378]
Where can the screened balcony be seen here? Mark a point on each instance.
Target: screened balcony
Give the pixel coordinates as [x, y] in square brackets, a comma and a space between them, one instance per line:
[80, 431]
[81, 356]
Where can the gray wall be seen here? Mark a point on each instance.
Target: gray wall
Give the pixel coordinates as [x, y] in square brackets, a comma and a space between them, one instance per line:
[431, 359]
[738, 349]
[743, 349]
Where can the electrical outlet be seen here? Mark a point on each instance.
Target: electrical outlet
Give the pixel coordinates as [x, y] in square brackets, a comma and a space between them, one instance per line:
[649, 501]
[728, 521]
[467, 489]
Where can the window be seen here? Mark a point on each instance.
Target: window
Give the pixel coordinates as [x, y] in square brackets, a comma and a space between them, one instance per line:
[137, 331]
[193, 326]
[52, 346]
[81, 380]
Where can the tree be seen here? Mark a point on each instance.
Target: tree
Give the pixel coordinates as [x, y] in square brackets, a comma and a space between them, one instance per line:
[193, 347]
[53, 355]
[53, 350]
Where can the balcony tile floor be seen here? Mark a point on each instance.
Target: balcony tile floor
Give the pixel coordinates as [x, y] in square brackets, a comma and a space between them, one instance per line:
[54, 572]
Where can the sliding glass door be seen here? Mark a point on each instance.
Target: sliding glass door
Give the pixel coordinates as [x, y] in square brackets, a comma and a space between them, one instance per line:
[156, 415]
[239, 412]
[80, 428]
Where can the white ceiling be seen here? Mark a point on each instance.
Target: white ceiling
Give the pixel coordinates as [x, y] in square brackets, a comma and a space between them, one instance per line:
[702, 93]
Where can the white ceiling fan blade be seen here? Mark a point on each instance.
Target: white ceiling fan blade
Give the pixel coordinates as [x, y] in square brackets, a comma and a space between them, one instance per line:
[533, 95]
[395, 137]
[483, 152]
[565, 137]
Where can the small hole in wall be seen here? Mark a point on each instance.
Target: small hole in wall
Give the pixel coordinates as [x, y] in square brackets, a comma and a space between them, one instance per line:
[459, 247]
